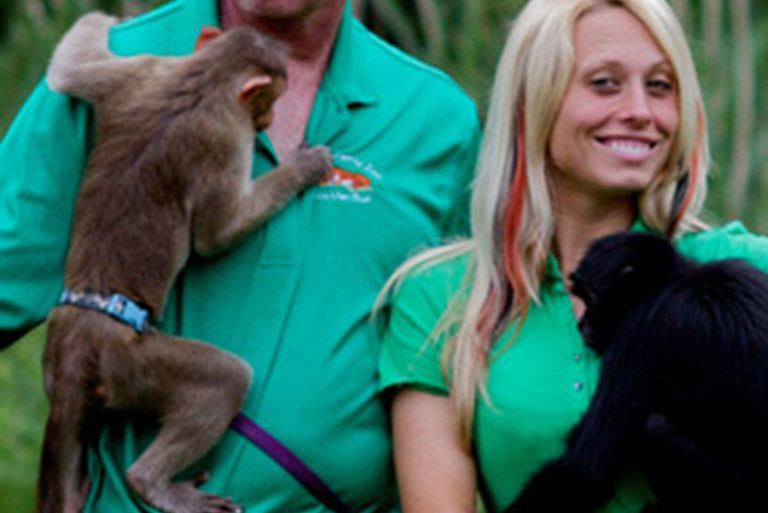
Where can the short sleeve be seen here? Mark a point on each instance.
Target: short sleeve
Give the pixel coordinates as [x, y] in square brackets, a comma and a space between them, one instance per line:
[412, 344]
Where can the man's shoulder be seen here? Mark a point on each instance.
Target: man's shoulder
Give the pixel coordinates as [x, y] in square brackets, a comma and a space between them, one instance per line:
[391, 68]
[380, 53]
[170, 29]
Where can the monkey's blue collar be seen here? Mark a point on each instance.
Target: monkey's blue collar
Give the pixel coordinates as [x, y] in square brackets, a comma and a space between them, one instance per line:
[116, 306]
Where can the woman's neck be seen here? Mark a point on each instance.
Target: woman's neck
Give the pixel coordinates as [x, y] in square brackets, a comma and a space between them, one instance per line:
[578, 224]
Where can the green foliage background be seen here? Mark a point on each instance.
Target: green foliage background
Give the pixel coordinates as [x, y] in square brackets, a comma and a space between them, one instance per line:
[730, 43]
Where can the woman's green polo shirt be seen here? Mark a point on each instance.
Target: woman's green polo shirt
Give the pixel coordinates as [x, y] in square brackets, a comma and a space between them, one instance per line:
[541, 384]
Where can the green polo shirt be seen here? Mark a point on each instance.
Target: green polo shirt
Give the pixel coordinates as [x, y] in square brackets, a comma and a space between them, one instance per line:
[293, 299]
[541, 385]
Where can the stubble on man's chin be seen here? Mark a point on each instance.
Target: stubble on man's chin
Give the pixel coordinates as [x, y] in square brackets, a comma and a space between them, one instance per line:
[278, 9]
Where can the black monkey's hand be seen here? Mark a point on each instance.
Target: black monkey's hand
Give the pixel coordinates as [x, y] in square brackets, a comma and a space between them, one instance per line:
[560, 488]
[664, 446]
[657, 428]
[686, 475]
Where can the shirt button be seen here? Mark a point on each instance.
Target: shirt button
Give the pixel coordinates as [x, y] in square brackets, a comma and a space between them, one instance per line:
[577, 358]
[578, 386]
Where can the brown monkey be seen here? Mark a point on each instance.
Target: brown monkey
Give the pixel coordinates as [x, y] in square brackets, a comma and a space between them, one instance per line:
[169, 173]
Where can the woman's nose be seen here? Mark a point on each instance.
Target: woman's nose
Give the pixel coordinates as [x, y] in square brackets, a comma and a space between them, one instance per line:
[635, 107]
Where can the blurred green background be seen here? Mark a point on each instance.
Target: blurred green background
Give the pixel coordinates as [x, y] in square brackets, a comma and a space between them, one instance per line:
[730, 44]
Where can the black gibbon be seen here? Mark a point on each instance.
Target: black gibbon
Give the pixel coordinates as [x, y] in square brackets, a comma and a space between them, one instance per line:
[683, 389]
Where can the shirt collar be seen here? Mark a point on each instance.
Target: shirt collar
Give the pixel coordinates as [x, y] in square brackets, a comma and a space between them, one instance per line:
[345, 74]
[345, 77]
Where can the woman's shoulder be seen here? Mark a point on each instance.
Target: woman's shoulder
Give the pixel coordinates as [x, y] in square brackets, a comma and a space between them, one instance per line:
[731, 240]
[437, 273]
[413, 341]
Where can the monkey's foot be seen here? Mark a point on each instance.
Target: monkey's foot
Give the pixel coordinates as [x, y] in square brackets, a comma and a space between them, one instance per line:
[182, 497]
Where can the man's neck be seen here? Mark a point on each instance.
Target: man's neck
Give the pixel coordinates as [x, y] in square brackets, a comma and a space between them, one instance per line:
[308, 36]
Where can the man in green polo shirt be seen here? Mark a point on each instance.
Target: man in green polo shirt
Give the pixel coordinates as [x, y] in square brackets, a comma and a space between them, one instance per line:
[293, 299]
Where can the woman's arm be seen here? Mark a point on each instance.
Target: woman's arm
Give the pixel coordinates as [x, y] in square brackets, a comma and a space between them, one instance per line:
[434, 472]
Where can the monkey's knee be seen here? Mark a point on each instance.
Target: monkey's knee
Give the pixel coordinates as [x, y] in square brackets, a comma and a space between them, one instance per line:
[228, 393]
[231, 379]
[240, 377]
[222, 388]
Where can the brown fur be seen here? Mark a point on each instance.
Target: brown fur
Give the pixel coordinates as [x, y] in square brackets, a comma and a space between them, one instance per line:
[170, 172]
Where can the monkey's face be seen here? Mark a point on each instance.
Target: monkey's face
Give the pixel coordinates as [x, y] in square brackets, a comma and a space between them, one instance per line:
[592, 330]
[255, 63]
[618, 273]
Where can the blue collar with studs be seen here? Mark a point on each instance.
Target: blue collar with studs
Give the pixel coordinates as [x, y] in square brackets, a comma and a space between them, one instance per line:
[115, 305]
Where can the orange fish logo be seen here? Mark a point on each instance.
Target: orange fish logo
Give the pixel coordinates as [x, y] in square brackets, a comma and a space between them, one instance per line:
[343, 178]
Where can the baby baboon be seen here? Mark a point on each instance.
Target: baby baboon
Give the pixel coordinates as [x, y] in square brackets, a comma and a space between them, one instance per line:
[170, 172]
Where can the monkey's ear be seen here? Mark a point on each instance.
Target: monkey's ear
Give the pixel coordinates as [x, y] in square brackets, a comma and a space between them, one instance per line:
[253, 85]
[207, 34]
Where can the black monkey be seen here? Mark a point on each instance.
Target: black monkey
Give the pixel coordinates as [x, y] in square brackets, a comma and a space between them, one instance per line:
[683, 390]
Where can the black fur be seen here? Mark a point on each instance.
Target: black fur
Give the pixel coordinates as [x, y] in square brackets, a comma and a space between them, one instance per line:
[683, 390]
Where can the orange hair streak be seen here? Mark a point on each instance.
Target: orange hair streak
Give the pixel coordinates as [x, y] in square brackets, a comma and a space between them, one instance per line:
[492, 310]
[693, 175]
[512, 253]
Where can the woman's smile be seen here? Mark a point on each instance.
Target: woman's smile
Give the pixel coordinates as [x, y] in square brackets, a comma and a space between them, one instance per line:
[631, 149]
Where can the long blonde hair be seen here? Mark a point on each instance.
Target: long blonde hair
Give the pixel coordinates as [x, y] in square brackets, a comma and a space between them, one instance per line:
[512, 213]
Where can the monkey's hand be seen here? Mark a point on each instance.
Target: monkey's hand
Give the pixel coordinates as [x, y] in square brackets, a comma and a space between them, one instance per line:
[686, 475]
[311, 164]
[560, 487]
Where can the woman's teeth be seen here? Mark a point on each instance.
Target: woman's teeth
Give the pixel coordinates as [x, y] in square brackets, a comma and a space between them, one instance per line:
[629, 148]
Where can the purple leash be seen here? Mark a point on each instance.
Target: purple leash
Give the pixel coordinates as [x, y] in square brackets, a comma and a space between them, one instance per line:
[290, 462]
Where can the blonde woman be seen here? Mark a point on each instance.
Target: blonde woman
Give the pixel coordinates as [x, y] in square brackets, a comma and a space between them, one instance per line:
[596, 125]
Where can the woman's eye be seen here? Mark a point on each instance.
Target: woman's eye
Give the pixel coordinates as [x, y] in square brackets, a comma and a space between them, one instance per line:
[660, 86]
[604, 84]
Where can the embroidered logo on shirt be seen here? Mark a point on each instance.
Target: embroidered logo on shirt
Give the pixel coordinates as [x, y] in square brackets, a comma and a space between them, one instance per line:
[350, 180]
[343, 178]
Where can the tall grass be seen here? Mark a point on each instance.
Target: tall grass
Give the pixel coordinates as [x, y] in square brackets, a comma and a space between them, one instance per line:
[22, 416]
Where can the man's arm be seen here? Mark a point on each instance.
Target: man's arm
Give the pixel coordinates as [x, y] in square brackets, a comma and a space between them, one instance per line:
[41, 161]
[458, 219]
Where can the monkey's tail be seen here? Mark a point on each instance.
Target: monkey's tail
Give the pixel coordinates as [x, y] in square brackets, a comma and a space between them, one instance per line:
[84, 45]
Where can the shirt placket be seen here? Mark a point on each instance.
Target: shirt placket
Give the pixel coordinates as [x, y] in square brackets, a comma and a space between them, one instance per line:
[580, 359]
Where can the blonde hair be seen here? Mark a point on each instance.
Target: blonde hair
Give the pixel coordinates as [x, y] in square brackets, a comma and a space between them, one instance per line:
[512, 213]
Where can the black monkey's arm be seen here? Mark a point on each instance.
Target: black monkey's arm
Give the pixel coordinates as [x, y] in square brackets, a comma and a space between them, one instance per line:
[684, 475]
[582, 479]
